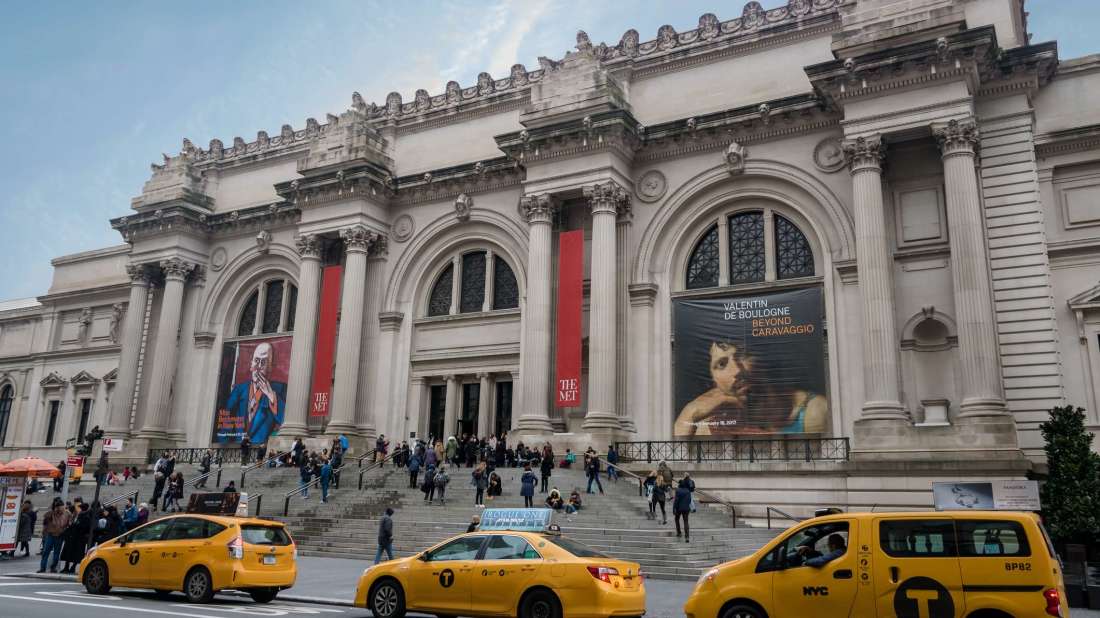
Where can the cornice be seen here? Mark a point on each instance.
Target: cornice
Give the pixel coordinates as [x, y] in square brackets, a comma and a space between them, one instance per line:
[450, 182]
[1067, 141]
[183, 218]
[615, 129]
[343, 181]
[122, 289]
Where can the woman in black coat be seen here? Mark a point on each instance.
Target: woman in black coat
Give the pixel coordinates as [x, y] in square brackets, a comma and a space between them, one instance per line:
[76, 539]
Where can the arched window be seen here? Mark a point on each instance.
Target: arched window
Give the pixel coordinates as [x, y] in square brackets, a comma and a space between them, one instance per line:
[755, 255]
[7, 395]
[269, 309]
[482, 280]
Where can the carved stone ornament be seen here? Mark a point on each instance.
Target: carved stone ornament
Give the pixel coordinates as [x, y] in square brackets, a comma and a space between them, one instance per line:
[651, 186]
[537, 208]
[358, 238]
[709, 26]
[463, 205]
[263, 241]
[628, 45]
[308, 246]
[403, 228]
[218, 259]
[865, 152]
[957, 136]
[607, 197]
[735, 158]
[829, 155]
[175, 268]
[117, 312]
[138, 273]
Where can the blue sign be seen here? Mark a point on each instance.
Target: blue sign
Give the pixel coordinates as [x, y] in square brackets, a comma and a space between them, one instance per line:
[519, 520]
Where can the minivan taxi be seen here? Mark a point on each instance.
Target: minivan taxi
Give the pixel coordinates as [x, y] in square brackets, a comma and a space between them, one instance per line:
[927, 565]
[197, 554]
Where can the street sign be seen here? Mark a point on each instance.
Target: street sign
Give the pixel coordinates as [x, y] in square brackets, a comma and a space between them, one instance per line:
[74, 461]
[112, 445]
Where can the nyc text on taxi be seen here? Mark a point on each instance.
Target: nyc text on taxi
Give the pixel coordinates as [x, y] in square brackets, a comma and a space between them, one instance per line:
[972, 564]
[516, 564]
[198, 555]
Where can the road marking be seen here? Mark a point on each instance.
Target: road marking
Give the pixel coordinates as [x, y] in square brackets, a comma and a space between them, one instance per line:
[105, 606]
[80, 594]
[34, 583]
[264, 610]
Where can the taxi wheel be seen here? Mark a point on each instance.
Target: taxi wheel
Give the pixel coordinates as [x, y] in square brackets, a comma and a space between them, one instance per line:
[540, 604]
[263, 595]
[198, 587]
[96, 580]
[743, 611]
[387, 599]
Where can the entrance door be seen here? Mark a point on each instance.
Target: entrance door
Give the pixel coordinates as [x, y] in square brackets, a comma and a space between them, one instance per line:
[471, 396]
[437, 410]
[504, 408]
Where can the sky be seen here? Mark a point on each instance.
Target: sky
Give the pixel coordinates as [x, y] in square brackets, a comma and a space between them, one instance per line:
[92, 92]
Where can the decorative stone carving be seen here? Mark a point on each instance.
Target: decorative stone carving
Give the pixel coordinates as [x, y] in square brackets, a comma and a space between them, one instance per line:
[519, 75]
[263, 241]
[84, 322]
[765, 112]
[548, 65]
[829, 155]
[709, 26]
[957, 136]
[403, 228]
[537, 208]
[628, 45]
[357, 102]
[239, 146]
[138, 273]
[651, 186]
[53, 381]
[116, 322]
[584, 44]
[262, 140]
[753, 16]
[607, 197]
[308, 246]
[393, 104]
[358, 238]
[287, 133]
[217, 149]
[423, 101]
[463, 205]
[485, 84]
[380, 247]
[175, 268]
[218, 259]
[454, 92]
[864, 152]
[666, 37]
[735, 158]
[312, 127]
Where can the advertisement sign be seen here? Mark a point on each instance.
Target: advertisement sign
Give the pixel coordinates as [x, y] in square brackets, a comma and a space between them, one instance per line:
[11, 487]
[325, 348]
[570, 291]
[749, 365]
[522, 520]
[112, 445]
[214, 503]
[251, 397]
[987, 496]
[74, 467]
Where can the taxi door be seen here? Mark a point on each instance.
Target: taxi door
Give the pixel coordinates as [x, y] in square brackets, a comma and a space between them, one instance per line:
[507, 566]
[442, 579]
[131, 564]
[828, 590]
[177, 552]
[916, 568]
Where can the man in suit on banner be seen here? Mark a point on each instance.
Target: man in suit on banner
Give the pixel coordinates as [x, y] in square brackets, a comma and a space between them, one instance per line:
[260, 402]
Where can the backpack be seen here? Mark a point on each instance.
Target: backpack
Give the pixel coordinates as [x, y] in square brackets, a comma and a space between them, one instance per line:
[441, 479]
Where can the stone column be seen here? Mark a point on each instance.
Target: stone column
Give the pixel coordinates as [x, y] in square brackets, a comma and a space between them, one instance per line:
[622, 317]
[450, 411]
[654, 423]
[376, 266]
[357, 241]
[456, 285]
[305, 337]
[979, 361]
[164, 361]
[122, 402]
[534, 415]
[876, 282]
[484, 397]
[414, 409]
[490, 270]
[606, 200]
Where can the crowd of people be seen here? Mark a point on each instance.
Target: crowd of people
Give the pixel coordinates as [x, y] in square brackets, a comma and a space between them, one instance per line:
[70, 528]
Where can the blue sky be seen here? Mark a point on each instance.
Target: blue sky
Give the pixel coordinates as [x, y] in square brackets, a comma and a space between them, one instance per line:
[92, 92]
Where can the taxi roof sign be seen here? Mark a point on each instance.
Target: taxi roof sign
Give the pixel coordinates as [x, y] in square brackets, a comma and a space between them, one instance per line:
[516, 520]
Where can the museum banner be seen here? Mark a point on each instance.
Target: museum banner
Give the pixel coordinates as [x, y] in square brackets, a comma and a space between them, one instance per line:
[750, 364]
[251, 397]
[325, 349]
[567, 384]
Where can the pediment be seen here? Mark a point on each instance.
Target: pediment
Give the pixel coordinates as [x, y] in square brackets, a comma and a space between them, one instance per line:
[84, 379]
[111, 376]
[53, 380]
[1089, 299]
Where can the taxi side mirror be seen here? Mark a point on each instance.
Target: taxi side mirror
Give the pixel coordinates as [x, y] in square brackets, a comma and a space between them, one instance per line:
[423, 557]
[122, 541]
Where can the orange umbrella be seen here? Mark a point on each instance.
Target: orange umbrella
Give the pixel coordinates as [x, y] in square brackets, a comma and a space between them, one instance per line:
[30, 466]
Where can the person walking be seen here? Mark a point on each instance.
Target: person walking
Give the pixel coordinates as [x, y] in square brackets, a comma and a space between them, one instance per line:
[440, 482]
[326, 478]
[665, 473]
[76, 539]
[305, 473]
[414, 469]
[451, 450]
[246, 446]
[385, 536]
[25, 531]
[204, 468]
[481, 483]
[429, 484]
[681, 507]
[159, 479]
[544, 468]
[612, 459]
[528, 481]
[660, 491]
[54, 525]
[593, 470]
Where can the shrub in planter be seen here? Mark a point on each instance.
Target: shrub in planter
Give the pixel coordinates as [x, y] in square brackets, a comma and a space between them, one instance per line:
[1071, 494]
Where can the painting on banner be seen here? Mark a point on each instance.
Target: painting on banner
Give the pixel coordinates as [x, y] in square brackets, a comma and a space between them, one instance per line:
[750, 364]
[251, 398]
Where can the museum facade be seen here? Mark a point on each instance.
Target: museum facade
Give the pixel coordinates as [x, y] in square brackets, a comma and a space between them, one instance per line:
[866, 219]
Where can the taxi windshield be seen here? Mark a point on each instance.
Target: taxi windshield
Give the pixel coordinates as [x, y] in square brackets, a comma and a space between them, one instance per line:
[579, 550]
[264, 535]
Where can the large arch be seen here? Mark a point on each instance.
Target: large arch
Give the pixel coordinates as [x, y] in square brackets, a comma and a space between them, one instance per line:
[226, 295]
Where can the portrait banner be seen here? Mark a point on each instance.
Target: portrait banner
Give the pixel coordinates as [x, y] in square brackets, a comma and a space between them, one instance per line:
[325, 348]
[567, 383]
[251, 398]
[750, 365]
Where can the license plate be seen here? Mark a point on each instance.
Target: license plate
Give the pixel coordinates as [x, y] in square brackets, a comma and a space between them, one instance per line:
[269, 559]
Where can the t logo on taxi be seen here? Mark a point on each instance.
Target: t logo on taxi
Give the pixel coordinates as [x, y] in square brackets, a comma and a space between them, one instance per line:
[134, 557]
[923, 597]
[447, 578]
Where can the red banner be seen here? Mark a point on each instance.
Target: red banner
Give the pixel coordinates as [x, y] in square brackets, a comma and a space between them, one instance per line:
[325, 349]
[570, 293]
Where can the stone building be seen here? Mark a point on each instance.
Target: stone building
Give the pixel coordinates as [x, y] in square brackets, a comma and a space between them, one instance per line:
[922, 163]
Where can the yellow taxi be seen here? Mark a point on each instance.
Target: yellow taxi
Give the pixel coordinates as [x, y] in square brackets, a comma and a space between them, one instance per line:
[198, 554]
[516, 564]
[928, 565]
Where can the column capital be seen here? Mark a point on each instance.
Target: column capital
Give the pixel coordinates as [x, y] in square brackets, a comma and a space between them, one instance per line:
[358, 239]
[380, 248]
[483, 375]
[450, 377]
[139, 274]
[957, 136]
[176, 269]
[308, 246]
[607, 197]
[537, 208]
[198, 277]
[865, 153]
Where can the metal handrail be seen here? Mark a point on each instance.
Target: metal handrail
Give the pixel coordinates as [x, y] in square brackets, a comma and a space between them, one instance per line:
[377, 464]
[134, 494]
[246, 469]
[710, 496]
[194, 481]
[259, 499]
[620, 470]
[771, 509]
[313, 483]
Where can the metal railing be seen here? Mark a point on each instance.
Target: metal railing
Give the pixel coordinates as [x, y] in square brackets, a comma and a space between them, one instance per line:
[133, 494]
[740, 449]
[710, 498]
[771, 509]
[372, 466]
[258, 499]
[222, 455]
[335, 478]
[248, 468]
